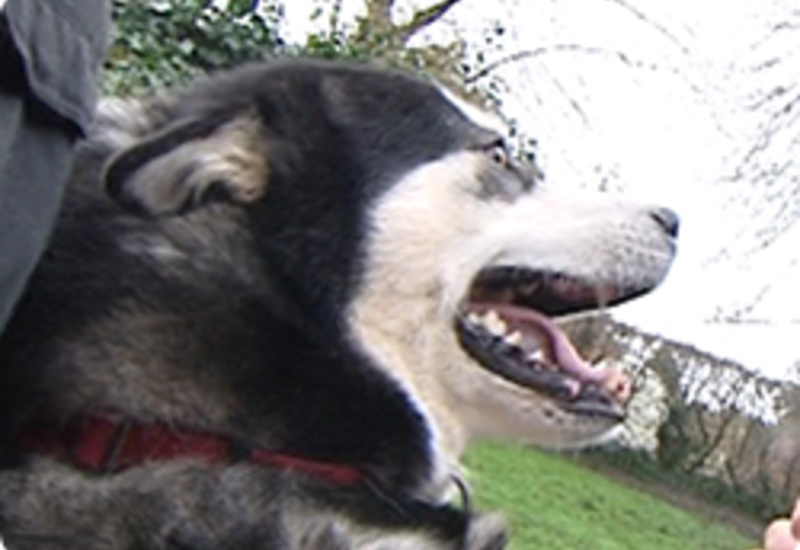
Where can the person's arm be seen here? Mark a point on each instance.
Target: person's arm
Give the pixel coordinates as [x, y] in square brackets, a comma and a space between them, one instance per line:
[62, 46]
[50, 55]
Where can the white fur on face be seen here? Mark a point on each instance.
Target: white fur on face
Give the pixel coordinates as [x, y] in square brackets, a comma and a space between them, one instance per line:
[477, 116]
[430, 236]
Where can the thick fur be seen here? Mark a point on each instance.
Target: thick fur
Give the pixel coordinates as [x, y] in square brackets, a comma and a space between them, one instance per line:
[282, 264]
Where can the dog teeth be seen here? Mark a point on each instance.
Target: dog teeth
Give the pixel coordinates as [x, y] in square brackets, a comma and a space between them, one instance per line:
[493, 323]
[536, 357]
[496, 326]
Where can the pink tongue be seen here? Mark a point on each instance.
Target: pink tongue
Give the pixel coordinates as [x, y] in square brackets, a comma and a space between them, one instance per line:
[560, 350]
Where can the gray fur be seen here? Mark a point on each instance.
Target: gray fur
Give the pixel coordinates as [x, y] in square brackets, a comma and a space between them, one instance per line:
[162, 332]
[187, 504]
[289, 248]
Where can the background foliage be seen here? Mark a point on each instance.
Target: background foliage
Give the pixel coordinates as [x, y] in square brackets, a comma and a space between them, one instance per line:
[162, 43]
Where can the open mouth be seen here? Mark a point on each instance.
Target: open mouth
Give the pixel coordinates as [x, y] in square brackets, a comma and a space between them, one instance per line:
[506, 325]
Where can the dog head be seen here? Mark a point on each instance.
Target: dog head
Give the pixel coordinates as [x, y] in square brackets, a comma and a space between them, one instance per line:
[391, 217]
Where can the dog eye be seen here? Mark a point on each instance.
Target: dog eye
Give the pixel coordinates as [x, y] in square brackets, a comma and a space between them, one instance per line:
[498, 153]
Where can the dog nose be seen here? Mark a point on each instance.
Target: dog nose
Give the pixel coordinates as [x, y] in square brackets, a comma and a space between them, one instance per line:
[667, 219]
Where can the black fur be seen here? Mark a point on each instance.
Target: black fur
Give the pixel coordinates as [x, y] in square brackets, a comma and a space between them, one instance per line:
[228, 317]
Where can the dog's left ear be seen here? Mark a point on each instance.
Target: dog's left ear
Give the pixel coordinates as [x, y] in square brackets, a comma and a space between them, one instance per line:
[189, 163]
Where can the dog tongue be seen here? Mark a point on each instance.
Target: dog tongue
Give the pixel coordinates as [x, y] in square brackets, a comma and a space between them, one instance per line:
[559, 350]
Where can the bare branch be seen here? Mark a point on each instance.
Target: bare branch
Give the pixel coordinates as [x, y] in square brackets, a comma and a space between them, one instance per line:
[661, 29]
[377, 24]
[530, 54]
[425, 17]
[379, 12]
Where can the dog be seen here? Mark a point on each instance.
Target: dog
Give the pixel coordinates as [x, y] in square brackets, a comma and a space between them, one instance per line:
[278, 306]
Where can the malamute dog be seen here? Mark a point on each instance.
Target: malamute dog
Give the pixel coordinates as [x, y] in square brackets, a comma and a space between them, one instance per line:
[316, 285]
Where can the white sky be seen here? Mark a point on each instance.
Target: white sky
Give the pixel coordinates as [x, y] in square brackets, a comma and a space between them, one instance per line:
[665, 132]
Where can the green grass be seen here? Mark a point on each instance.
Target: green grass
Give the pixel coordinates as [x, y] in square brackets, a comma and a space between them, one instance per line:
[552, 503]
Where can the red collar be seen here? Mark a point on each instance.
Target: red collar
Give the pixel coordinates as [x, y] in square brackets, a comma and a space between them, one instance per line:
[107, 444]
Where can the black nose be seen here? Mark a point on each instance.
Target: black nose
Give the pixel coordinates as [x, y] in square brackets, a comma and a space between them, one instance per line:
[667, 219]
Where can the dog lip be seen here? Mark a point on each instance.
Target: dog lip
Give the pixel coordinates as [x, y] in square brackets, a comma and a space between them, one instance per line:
[576, 388]
[550, 293]
[552, 341]
[524, 302]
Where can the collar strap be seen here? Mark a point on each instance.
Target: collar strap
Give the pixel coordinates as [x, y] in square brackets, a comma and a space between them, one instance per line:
[107, 444]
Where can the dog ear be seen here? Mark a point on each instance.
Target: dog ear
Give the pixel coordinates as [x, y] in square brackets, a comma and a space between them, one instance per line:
[190, 163]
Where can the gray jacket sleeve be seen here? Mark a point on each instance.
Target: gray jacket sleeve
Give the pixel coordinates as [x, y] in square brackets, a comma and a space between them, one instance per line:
[62, 44]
